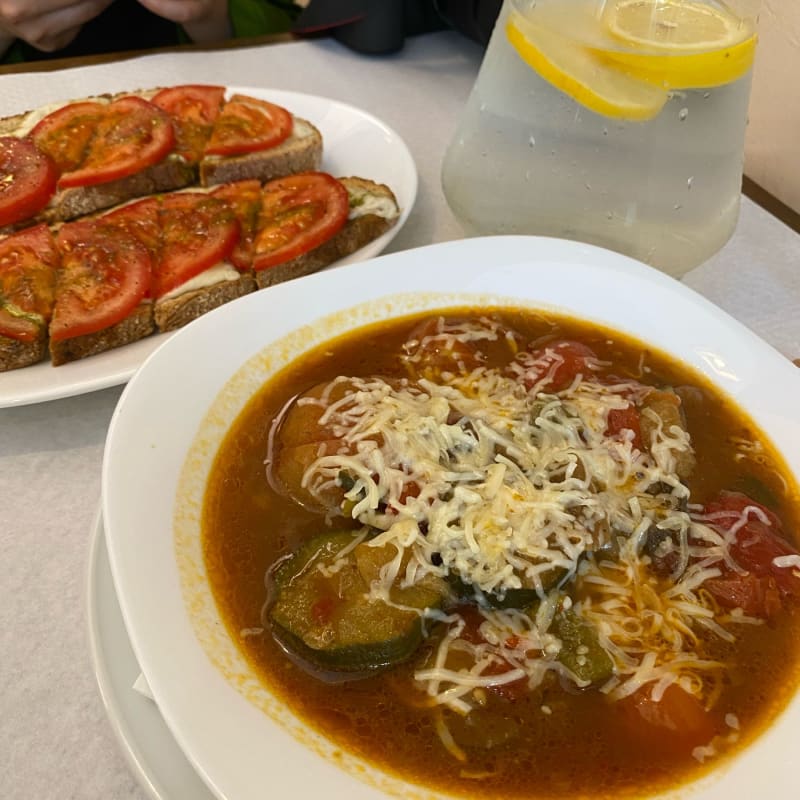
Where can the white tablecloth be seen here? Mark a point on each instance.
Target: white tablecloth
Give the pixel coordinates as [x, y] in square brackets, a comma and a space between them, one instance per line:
[55, 739]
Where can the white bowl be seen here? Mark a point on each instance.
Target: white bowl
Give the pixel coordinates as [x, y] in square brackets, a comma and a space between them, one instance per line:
[178, 406]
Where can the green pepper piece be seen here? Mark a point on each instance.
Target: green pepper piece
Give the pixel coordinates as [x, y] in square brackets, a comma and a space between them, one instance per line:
[581, 652]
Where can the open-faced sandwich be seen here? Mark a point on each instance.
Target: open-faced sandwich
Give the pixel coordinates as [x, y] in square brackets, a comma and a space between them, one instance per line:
[67, 160]
[156, 263]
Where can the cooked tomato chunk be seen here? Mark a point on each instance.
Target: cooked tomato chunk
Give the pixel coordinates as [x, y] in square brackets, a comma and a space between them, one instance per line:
[434, 347]
[758, 540]
[554, 366]
[302, 434]
[625, 419]
[676, 722]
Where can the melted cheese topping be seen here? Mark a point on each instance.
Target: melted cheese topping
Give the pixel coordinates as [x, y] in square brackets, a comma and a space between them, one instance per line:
[507, 489]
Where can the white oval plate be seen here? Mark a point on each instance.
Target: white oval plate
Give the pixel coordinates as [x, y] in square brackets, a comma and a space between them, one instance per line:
[354, 143]
[156, 464]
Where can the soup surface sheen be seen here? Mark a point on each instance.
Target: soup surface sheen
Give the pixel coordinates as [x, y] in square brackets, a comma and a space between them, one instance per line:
[504, 554]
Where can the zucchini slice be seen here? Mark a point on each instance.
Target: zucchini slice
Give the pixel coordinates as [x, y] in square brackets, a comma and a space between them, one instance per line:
[324, 617]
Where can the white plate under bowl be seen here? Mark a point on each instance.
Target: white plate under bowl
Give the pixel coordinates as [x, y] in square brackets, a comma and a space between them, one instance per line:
[354, 143]
[149, 748]
[176, 409]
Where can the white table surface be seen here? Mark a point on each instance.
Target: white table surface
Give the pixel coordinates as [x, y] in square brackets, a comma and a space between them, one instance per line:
[55, 738]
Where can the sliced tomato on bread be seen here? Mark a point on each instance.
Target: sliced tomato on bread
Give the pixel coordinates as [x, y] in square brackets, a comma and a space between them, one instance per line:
[193, 109]
[244, 198]
[198, 231]
[141, 220]
[298, 213]
[247, 125]
[28, 264]
[105, 275]
[131, 135]
[94, 143]
[27, 179]
[64, 134]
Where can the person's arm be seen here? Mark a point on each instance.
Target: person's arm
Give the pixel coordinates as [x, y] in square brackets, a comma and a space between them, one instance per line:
[202, 20]
[47, 25]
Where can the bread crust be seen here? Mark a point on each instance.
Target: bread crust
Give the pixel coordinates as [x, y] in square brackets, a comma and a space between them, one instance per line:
[9, 125]
[137, 325]
[168, 175]
[15, 354]
[178, 311]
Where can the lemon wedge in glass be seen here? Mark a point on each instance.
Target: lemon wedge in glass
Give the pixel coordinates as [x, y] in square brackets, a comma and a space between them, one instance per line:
[679, 44]
[581, 73]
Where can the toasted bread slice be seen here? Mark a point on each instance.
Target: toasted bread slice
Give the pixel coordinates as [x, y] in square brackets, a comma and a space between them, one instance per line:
[300, 152]
[177, 310]
[135, 326]
[373, 211]
[15, 354]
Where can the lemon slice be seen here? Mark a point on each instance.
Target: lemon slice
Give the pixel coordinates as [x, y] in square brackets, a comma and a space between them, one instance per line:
[680, 44]
[673, 25]
[587, 78]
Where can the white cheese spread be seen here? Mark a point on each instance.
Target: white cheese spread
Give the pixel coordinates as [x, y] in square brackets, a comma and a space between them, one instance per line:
[224, 271]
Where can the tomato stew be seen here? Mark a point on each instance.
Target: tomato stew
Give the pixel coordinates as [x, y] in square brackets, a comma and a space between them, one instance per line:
[509, 555]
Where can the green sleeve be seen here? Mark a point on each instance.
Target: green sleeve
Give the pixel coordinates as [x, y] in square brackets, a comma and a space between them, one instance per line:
[258, 17]
[14, 54]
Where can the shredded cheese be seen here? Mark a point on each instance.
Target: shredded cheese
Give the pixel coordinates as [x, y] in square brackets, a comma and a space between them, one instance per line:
[478, 474]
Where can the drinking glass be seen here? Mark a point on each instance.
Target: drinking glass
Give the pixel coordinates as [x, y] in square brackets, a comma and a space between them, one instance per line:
[615, 122]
